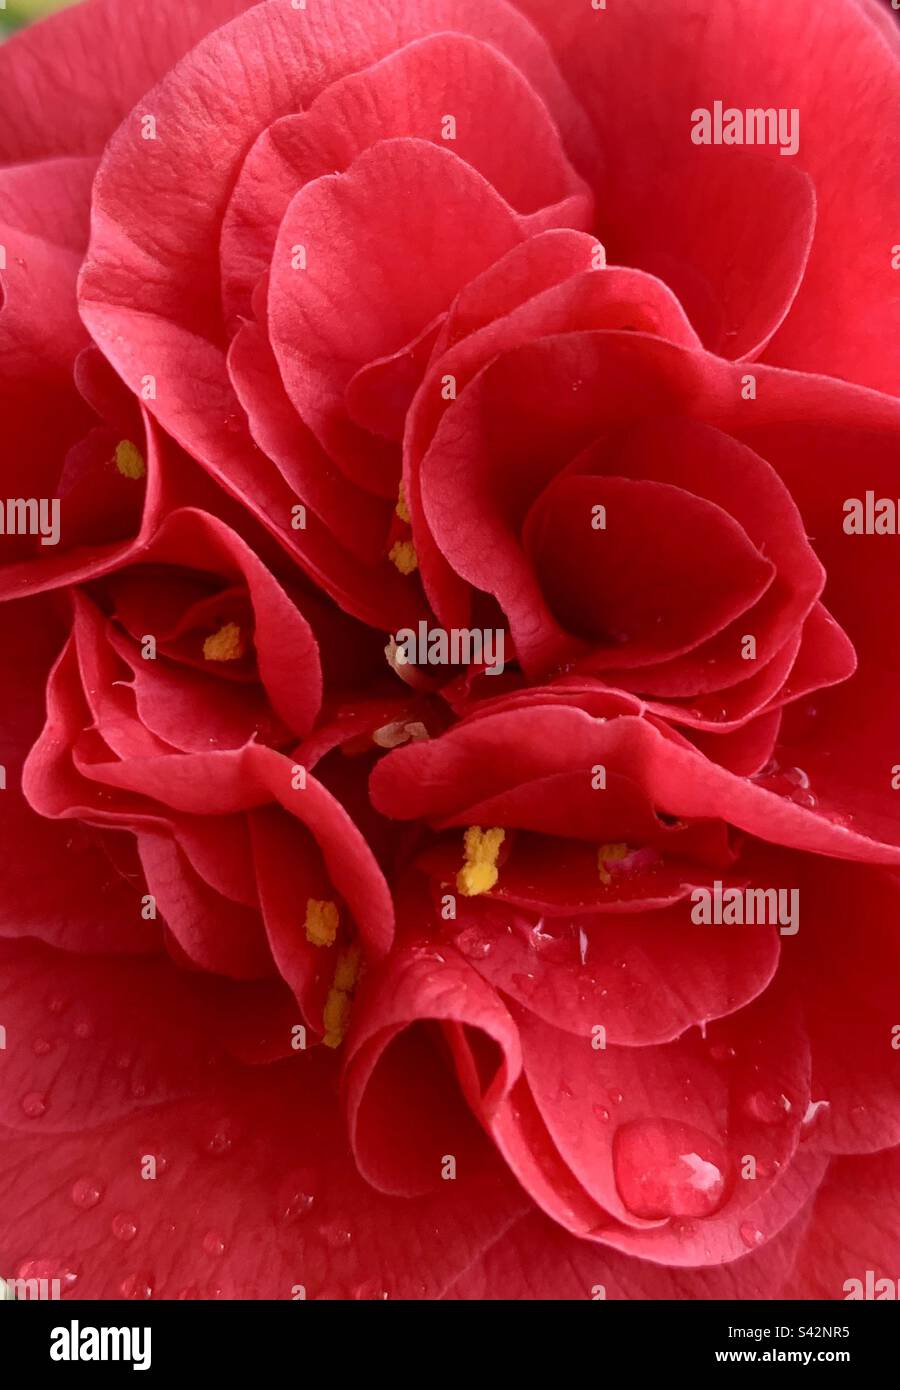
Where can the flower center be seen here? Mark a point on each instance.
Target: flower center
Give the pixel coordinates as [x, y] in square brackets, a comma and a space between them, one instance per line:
[403, 555]
[336, 1014]
[321, 922]
[225, 645]
[130, 460]
[479, 873]
[610, 854]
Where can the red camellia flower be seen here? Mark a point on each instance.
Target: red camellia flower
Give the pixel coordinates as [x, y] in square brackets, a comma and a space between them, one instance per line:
[450, 621]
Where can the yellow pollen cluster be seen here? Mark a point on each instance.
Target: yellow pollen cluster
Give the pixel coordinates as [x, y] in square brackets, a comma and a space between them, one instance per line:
[401, 508]
[130, 460]
[321, 922]
[336, 1014]
[403, 555]
[609, 854]
[480, 873]
[399, 732]
[225, 645]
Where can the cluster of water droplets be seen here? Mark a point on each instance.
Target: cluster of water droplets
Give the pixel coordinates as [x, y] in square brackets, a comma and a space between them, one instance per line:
[789, 782]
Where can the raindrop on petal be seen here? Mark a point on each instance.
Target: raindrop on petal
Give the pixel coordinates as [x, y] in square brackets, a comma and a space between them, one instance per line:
[124, 1227]
[665, 1168]
[137, 1286]
[86, 1193]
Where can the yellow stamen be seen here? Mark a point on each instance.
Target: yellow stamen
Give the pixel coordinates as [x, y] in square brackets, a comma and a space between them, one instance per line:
[130, 460]
[609, 854]
[336, 1014]
[225, 645]
[347, 970]
[480, 873]
[401, 508]
[321, 922]
[393, 735]
[403, 555]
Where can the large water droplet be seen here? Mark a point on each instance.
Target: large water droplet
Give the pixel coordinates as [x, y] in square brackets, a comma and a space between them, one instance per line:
[86, 1193]
[124, 1227]
[665, 1168]
[137, 1286]
[768, 1107]
[213, 1243]
[751, 1235]
[48, 1269]
[34, 1105]
[790, 782]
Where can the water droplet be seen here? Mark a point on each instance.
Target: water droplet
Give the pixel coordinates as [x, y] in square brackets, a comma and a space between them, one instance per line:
[34, 1105]
[751, 1235]
[41, 1046]
[123, 1227]
[48, 1269]
[338, 1237]
[475, 943]
[86, 1193]
[137, 1286]
[791, 782]
[616, 1097]
[665, 1168]
[83, 1028]
[767, 1107]
[371, 1290]
[221, 1140]
[429, 953]
[213, 1243]
[297, 1205]
[720, 1053]
[601, 1114]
